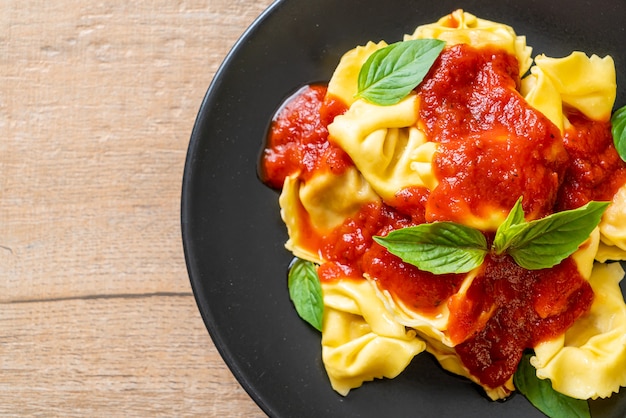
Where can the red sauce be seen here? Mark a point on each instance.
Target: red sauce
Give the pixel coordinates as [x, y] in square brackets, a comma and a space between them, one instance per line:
[298, 138]
[493, 149]
[494, 146]
[352, 253]
[522, 307]
[347, 244]
[420, 290]
[596, 170]
[411, 201]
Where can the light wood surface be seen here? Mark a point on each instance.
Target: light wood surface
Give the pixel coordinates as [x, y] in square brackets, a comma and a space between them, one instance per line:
[97, 102]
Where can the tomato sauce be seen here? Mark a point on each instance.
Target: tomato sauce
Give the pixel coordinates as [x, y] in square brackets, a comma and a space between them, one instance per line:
[298, 138]
[421, 291]
[596, 170]
[493, 148]
[346, 245]
[351, 253]
[508, 309]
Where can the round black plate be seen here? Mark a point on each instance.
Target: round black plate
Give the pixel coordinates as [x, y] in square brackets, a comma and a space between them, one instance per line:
[232, 232]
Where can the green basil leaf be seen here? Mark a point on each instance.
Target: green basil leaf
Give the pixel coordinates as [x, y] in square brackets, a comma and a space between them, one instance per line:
[390, 73]
[503, 236]
[545, 242]
[305, 292]
[618, 129]
[438, 247]
[540, 393]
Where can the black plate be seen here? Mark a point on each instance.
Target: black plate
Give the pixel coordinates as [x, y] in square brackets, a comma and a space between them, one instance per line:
[232, 233]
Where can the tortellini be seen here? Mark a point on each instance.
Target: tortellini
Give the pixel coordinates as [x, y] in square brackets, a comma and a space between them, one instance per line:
[329, 199]
[588, 361]
[402, 153]
[578, 81]
[464, 28]
[613, 229]
[361, 340]
[321, 203]
[433, 326]
[585, 83]
[344, 82]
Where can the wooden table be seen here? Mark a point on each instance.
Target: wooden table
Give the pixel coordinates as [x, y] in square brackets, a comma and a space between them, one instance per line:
[97, 103]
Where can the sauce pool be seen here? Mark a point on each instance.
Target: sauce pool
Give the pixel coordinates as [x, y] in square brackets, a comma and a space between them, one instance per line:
[298, 138]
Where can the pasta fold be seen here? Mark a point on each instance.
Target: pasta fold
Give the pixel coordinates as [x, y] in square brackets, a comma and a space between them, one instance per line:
[584, 83]
[320, 204]
[330, 199]
[359, 335]
[344, 82]
[464, 28]
[433, 326]
[403, 154]
[587, 362]
[541, 93]
[613, 229]
[296, 220]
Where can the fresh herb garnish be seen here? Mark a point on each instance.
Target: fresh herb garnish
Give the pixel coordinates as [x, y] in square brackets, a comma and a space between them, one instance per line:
[390, 73]
[545, 242]
[438, 247]
[448, 247]
[540, 393]
[618, 129]
[305, 292]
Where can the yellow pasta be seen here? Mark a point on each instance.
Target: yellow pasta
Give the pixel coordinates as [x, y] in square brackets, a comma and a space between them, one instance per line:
[320, 204]
[584, 83]
[402, 152]
[343, 84]
[464, 28]
[330, 199]
[359, 335]
[539, 91]
[613, 229]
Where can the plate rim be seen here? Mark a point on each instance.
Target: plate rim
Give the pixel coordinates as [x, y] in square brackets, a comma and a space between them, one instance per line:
[227, 357]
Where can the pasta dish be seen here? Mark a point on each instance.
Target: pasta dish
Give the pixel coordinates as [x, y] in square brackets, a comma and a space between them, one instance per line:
[451, 194]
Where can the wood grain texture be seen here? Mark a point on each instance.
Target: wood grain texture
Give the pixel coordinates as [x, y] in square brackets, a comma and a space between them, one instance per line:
[97, 102]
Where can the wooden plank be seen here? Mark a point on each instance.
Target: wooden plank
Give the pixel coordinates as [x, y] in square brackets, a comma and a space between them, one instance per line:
[96, 117]
[127, 356]
[97, 103]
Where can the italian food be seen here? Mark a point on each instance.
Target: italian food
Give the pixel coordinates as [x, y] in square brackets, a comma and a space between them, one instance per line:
[476, 214]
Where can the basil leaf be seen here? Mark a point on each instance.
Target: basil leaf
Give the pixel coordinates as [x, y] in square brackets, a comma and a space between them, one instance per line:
[438, 247]
[305, 292]
[541, 394]
[390, 73]
[618, 129]
[503, 236]
[545, 242]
